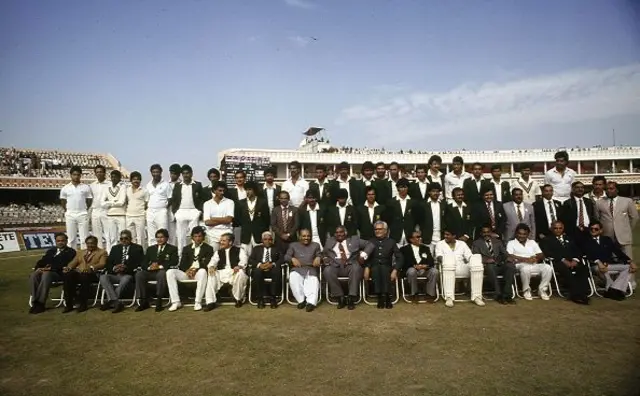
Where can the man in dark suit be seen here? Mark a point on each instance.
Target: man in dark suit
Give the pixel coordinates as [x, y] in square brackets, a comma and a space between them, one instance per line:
[313, 217]
[123, 260]
[577, 213]
[383, 265]
[475, 184]
[253, 216]
[494, 257]
[383, 188]
[402, 214]
[213, 175]
[269, 190]
[368, 180]
[344, 256]
[418, 190]
[284, 223]
[345, 181]
[605, 255]
[239, 191]
[433, 213]
[418, 261]
[158, 259]
[186, 205]
[342, 214]
[546, 211]
[491, 212]
[48, 270]
[567, 262]
[501, 188]
[434, 175]
[458, 217]
[369, 213]
[193, 266]
[325, 189]
[266, 263]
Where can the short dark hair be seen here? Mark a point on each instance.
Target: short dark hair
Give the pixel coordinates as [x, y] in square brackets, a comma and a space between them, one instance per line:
[513, 190]
[213, 171]
[90, 237]
[270, 171]
[127, 233]
[575, 183]
[545, 186]
[368, 165]
[155, 167]
[561, 155]
[295, 163]
[457, 159]
[394, 163]
[455, 190]
[186, 168]
[599, 178]
[175, 168]
[614, 183]
[525, 165]
[321, 167]
[116, 172]
[218, 184]
[477, 164]
[135, 174]
[163, 232]
[197, 230]
[240, 172]
[595, 222]
[424, 167]
[369, 188]
[75, 169]
[434, 186]
[95, 168]
[380, 163]
[435, 158]
[496, 166]
[450, 230]
[284, 192]
[62, 234]
[523, 226]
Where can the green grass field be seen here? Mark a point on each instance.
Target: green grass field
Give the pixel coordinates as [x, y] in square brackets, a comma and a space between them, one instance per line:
[533, 348]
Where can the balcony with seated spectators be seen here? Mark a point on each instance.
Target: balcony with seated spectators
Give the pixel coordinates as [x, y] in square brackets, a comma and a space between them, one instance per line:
[30, 214]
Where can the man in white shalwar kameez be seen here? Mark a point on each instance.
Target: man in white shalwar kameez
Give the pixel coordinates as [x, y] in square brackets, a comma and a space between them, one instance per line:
[227, 266]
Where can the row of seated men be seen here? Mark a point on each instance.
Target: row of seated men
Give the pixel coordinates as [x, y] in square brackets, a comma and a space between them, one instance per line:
[378, 258]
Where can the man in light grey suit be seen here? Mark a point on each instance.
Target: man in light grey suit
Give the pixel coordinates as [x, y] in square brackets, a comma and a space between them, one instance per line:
[344, 257]
[618, 216]
[518, 212]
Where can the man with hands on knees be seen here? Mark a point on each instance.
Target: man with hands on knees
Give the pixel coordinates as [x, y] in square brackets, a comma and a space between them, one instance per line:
[304, 257]
[227, 266]
[158, 259]
[266, 262]
[123, 260]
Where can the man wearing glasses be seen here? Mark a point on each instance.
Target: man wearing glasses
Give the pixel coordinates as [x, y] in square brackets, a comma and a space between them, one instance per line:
[123, 259]
[295, 185]
[605, 255]
[383, 264]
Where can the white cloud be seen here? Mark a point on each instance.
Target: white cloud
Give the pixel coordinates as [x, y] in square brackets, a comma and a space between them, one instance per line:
[300, 4]
[568, 97]
[300, 41]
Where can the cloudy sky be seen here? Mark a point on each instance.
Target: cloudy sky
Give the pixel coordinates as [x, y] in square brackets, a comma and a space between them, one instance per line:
[166, 81]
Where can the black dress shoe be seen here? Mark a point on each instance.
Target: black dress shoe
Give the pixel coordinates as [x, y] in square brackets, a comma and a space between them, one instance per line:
[273, 303]
[67, 309]
[614, 294]
[500, 300]
[341, 302]
[351, 305]
[414, 299]
[40, 308]
[509, 301]
[82, 308]
[159, 306]
[32, 309]
[143, 305]
[119, 308]
[380, 302]
[581, 300]
[239, 304]
[260, 304]
[387, 302]
[209, 307]
[106, 306]
[302, 305]
[310, 307]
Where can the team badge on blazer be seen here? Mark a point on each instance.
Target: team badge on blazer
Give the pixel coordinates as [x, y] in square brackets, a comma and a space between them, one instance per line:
[348, 217]
[322, 219]
[468, 217]
[423, 255]
[377, 217]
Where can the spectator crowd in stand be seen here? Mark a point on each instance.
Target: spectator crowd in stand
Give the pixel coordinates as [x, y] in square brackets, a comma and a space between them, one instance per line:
[50, 164]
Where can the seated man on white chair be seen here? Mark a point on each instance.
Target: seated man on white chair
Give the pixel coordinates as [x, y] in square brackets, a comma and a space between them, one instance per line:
[227, 266]
[304, 259]
[527, 256]
[193, 265]
[606, 255]
[458, 261]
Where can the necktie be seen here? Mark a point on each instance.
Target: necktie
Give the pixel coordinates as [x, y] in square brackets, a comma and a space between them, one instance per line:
[597, 240]
[87, 256]
[611, 207]
[267, 255]
[519, 213]
[125, 251]
[491, 216]
[284, 219]
[551, 212]
[490, 247]
[58, 252]
[581, 214]
[562, 241]
[343, 254]
[160, 250]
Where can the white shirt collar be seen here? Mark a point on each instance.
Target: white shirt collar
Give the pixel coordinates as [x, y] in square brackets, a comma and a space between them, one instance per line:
[344, 181]
[366, 204]
[455, 205]
[310, 209]
[405, 199]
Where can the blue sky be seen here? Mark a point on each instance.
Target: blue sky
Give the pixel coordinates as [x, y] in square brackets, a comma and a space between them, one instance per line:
[166, 81]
